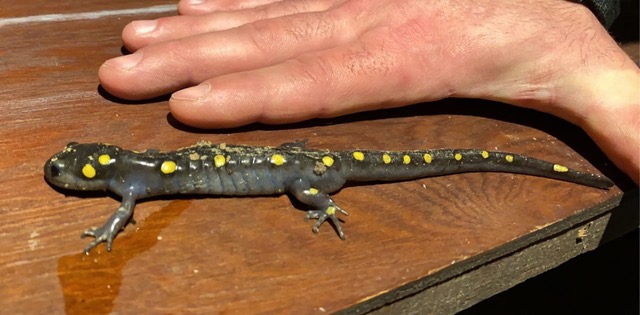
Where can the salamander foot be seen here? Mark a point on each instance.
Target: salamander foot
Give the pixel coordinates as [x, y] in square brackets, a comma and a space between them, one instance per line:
[323, 215]
[108, 231]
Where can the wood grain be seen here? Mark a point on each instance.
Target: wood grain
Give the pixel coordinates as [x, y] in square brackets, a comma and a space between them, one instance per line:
[12, 9]
[256, 255]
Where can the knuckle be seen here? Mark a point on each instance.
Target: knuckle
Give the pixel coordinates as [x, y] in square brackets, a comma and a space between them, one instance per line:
[286, 7]
[262, 36]
[315, 70]
[309, 26]
[369, 59]
[291, 7]
[274, 35]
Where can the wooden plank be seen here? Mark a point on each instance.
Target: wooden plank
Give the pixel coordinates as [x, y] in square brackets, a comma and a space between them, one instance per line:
[239, 255]
[12, 9]
[468, 288]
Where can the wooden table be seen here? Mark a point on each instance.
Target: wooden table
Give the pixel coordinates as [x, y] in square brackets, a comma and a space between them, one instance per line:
[434, 245]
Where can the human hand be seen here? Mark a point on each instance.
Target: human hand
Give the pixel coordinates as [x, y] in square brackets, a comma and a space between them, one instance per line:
[288, 61]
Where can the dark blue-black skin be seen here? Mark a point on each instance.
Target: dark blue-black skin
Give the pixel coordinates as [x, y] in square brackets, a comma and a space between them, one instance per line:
[309, 175]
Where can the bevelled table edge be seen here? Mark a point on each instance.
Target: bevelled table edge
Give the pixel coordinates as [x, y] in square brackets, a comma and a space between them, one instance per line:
[382, 303]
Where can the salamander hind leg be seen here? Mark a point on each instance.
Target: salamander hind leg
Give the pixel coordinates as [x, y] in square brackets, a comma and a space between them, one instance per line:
[111, 228]
[323, 206]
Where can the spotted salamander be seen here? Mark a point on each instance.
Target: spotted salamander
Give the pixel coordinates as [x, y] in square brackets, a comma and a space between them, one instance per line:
[309, 175]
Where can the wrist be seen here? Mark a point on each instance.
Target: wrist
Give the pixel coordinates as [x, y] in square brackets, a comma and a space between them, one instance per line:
[612, 119]
[605, 10]
[583, 76]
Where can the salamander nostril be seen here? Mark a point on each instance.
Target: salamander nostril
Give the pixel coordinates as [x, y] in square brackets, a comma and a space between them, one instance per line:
[54, 168]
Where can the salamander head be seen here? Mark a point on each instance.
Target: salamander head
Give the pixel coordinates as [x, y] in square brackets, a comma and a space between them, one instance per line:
[82, 166]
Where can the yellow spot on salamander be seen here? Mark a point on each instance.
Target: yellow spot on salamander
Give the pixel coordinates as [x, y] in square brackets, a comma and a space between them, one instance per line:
[278, 159]
[331, 210]
[327, 160]
[219, 160]
[458, 156]
[168, 167]
[386, 158]
[560, 168]
[509, 158]
[485, 154]
[313, 191]
[358, 155]
[88, 171]
[428, 158]
[406, 159]
[104, 159]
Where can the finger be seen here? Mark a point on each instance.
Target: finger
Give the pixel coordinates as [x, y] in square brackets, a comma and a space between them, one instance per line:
[194, 7]
[138, 34]
[366, 74]
[169, 66]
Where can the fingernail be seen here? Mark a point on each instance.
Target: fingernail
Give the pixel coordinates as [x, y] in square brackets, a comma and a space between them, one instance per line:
[125, 62]
[192, 93]
[145, 26]
[195, 2]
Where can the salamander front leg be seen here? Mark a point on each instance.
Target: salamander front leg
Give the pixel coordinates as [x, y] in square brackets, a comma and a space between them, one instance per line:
[112, 227]
[324, 207]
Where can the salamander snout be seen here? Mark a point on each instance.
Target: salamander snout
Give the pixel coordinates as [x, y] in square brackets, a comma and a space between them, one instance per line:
[67, 170]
